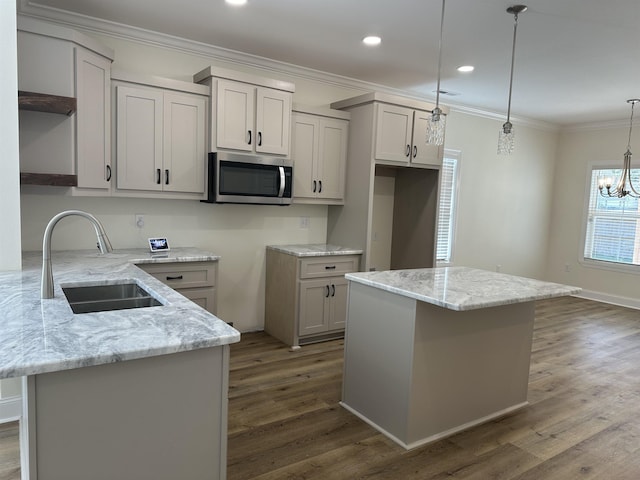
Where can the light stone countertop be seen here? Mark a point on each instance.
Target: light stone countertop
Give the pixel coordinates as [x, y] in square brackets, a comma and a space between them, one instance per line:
[314, 250]
[38, 336]
[461, 288]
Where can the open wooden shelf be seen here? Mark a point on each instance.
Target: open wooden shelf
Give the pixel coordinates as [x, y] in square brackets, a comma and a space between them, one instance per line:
[51, 179]
[42, 102]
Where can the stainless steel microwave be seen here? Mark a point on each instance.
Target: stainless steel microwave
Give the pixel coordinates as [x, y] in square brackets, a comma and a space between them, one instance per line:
[238, 178]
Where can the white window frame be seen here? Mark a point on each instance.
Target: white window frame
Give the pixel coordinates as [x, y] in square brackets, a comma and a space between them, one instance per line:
[590, 262]
[457, 156]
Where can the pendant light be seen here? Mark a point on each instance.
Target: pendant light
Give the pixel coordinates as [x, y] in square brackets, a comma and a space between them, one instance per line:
[436, 123]
[624, 186]
[505, 138]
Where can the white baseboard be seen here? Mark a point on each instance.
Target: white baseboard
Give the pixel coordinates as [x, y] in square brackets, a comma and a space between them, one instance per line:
[10, 409]
[611, 299]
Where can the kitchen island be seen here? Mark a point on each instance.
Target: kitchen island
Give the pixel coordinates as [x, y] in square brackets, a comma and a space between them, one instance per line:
[136, 393]
[430, 352]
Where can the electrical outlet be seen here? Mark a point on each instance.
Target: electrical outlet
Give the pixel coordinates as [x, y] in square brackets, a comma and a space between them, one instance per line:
[139, 220]
[567, 267]
[498, 268]
[304, 222]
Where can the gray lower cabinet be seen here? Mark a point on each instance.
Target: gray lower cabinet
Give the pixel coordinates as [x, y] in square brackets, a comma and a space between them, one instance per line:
[160, 418]
[306, 297]
[195, 280]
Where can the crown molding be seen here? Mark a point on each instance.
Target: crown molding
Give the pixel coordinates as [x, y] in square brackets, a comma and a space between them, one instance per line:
[591, 126]
[117, 30]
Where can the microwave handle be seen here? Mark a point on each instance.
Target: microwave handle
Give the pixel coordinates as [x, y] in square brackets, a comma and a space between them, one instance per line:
[282, 182]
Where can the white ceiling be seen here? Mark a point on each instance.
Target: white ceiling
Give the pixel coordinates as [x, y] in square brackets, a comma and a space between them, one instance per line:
[577, 61]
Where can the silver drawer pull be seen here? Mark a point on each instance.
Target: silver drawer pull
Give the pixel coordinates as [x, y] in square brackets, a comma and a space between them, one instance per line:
[178, 277]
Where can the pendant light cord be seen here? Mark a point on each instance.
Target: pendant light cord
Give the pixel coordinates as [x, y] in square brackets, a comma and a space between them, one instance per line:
[513, 58]
[440, 55]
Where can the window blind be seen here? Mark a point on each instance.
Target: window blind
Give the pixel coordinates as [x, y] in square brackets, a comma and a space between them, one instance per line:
[446, 208]
[613, 224]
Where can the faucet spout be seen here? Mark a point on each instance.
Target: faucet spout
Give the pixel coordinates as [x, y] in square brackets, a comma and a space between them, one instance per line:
[46, 287]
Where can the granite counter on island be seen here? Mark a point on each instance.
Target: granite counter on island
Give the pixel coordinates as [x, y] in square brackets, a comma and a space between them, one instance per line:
[429, 352]
[135, 393]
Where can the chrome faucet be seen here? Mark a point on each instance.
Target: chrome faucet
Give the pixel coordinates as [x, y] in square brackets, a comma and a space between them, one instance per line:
[104, 245]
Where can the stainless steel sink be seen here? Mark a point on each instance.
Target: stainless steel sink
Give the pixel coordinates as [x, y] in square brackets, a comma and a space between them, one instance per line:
[101, 298]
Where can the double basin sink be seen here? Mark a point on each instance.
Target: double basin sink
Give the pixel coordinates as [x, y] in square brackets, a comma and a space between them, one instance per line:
[101, 298]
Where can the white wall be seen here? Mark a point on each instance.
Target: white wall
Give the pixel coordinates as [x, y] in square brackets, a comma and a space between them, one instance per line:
[504, 202]
[578, 149]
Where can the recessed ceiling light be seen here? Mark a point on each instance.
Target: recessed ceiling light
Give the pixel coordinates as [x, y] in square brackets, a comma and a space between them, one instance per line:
[371, 40]
[466, 68]
[236, 2]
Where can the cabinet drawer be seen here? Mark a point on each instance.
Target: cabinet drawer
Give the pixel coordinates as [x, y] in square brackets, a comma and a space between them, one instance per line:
[204, 297]
[183, 275]
[315, 267]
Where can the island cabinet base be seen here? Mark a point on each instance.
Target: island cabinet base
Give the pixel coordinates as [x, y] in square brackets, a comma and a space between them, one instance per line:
[418, 372]
[162, 417]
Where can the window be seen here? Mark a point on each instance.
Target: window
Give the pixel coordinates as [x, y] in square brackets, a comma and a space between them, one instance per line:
[613, 224]
[447, 207]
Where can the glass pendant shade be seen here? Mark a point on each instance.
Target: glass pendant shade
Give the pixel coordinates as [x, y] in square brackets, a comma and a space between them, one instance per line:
[436, 127]
[505, 139]
[437, 120]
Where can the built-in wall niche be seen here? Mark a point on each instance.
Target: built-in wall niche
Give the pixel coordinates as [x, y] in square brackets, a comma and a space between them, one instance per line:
[404, 218]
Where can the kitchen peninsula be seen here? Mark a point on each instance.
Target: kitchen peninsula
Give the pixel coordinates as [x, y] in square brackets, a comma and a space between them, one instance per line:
[429, 352]
[136, 393]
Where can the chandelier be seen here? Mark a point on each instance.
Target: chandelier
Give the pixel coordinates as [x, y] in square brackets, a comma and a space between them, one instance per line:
[624, 186]
[436, 123]
[505, 138]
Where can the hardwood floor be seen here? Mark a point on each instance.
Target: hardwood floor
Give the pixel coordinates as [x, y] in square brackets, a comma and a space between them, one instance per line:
[583, 421]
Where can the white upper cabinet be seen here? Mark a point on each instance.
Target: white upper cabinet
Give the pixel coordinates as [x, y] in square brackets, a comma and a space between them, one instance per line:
[253, 119]
[319, 152]
[248, 113]
[401, 137]
[235, 115]
[93, 119]
[161, 141]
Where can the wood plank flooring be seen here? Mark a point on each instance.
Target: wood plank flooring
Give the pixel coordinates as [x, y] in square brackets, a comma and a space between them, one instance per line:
[583, 421]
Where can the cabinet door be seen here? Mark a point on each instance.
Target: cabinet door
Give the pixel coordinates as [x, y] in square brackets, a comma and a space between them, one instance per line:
[235, 115]
[93, 119]
[393, 133]
[314, 297]
[139, 138]
[304, 152]
[273, 121]
[332, 158]
[421, 153]
[338, 304]
[184, 143]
